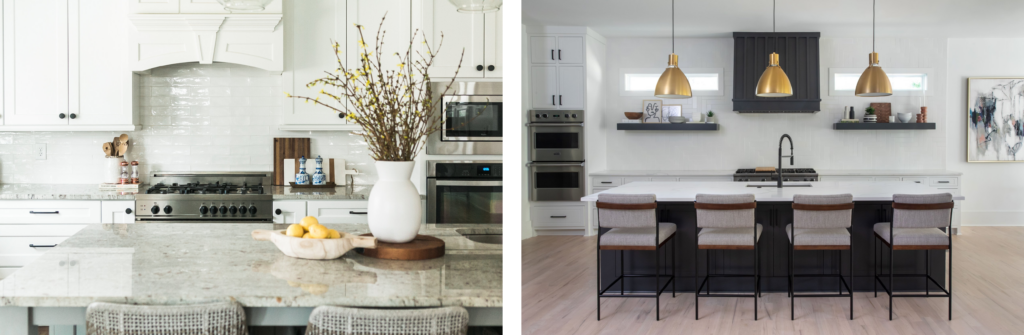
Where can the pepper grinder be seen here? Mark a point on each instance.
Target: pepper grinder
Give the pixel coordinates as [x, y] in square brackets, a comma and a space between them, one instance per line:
[135, 172]
[302, 178]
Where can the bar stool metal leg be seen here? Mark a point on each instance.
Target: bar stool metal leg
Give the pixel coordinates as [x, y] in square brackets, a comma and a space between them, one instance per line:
[851, 275]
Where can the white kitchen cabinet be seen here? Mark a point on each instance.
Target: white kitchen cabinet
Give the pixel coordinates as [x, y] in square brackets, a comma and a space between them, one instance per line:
[570, 50]
[559, 215]
[397, 25]
[558, 87]
[311, 25]
[189, 6]
[49, 212]
[289, 211]
[557, 49]
[117, 212]
[102, 87]
[544, 87]
[479, 34]
[571, 87]
[338, 211]
[35, 57]
[543, 49]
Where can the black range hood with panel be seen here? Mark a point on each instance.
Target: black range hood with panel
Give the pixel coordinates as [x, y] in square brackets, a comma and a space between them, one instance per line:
[798, 56]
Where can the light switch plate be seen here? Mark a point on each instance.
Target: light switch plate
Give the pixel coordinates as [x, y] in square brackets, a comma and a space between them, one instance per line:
[40, 151]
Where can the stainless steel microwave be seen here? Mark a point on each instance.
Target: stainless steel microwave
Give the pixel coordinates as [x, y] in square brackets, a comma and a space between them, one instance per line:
[471, 119]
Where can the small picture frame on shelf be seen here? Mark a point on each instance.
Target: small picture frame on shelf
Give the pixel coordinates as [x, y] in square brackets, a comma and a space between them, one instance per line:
[652, 111]
[670, 110]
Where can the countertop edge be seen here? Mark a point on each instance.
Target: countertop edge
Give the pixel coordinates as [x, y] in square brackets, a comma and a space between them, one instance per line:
[729, 173]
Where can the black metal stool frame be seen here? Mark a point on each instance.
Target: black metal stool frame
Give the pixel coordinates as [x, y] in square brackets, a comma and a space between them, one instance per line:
[842, 281]
[927, 275]
[708, 274]
[622, 275]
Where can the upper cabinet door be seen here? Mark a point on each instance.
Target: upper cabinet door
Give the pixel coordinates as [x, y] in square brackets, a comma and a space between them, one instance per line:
[543, 49]
[492, 45]
[191, 7]
[153, 6]
[35, 62]
[571, 87]
[570, 50]
[396, 31]
[310, 26]
[100, 91]
[544, 86]
[463, 32]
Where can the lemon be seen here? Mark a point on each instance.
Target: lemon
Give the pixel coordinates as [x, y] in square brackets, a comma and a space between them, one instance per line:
[318, 231]
[306, 235]
[333, 234]
[309, 221]
[295, 230]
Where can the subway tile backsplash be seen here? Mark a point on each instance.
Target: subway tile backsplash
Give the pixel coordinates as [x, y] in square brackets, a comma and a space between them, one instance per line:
[217, 117]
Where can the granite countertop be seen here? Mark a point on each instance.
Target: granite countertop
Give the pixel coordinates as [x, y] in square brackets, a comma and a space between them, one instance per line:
[196, 263]
[729, 173]
[687, 191]
[92, 192]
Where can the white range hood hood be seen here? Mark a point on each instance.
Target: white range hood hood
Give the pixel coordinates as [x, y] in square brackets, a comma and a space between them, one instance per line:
[255, 40]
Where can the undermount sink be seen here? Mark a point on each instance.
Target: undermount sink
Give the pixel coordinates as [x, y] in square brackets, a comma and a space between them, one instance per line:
[784, 184]
[488, 236]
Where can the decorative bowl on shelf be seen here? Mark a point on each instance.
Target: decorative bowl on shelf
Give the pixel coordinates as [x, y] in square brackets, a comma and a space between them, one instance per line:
[676, 119]
[905, 117]
[633, 115]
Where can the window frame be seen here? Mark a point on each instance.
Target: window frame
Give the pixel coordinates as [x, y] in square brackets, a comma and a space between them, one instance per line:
[624, 71]
[928, 72]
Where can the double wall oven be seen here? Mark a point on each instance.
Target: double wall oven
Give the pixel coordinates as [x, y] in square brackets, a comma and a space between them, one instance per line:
[471, 119]
[557, 160]
[464, 192]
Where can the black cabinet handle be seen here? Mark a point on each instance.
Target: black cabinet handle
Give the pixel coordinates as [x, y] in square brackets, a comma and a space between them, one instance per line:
[127, 210]
[42, 245]
[62, 116]
[341, 115]
[559, 99]
[559, 54]
[606, 182]
[552, 54]
[277, 211]
[479, 67]
[53, 212]
[558, 216]
[490, 68]
[357, 213]
[552, 100]
[73, 116]
[943, 182]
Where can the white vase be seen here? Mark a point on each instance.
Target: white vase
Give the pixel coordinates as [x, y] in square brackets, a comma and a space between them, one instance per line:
[394, 209]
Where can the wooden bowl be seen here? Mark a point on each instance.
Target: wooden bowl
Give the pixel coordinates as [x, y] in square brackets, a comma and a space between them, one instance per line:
[309, 248]
[633, 115]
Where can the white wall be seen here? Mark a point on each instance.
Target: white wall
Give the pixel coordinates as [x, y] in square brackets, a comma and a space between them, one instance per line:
[750, 140]
[993, 190]
[526, 228]
[216, 117]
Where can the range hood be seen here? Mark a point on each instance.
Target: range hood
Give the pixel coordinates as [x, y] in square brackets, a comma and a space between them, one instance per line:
[798, 53]
[255, 40]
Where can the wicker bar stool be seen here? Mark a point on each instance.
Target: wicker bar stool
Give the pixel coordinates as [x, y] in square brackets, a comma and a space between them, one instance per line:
[632, 219]
[916, 220]
[725, 222]
[336, 320]
[116, 319]
[820, 222]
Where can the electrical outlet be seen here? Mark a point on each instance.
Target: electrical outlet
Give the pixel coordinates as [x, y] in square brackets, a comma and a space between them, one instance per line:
[40, 151]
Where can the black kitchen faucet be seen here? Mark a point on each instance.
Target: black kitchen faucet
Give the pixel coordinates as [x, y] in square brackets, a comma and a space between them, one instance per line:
[779, 171]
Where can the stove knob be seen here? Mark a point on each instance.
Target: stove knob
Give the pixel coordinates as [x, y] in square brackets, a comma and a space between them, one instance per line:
[155, 209]
[566, 116]
[544, 116]
[203, 209]
[574, 116]
[233, 209]
[167, 209]
[252, 209]
[537, 115]
[242, 209]
[223, 209]
[213, 210]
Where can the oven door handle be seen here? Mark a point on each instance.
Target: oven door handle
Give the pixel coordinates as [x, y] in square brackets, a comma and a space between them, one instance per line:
[553, 164]
[554, 124]
[468, 183]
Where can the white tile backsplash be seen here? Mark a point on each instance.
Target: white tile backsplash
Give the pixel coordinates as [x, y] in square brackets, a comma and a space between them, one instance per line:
[218, 117]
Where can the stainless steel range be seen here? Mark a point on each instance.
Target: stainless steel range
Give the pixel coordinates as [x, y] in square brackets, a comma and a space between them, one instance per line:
[787, 175]
[214, 197]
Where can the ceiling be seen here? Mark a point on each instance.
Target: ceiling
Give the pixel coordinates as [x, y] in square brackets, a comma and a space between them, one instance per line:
[846, 18]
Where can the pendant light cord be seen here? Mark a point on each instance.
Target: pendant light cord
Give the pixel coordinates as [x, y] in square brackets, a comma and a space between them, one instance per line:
[773, 16]
[873, 4]
[673, 26]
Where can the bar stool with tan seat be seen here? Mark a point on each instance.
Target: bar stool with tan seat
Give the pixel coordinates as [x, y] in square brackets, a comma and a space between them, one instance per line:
[632, 219]
[338, 320]
[227, 318]
[820, 222]
[726, 222]
[916, 219]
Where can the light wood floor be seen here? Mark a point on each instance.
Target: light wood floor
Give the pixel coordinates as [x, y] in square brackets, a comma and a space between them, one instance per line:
[988, 298]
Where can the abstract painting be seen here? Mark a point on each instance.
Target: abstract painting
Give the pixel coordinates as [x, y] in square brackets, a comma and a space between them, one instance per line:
[995, 119]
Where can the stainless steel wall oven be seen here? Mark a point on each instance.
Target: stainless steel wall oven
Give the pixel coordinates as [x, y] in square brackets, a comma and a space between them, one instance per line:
[463, 192]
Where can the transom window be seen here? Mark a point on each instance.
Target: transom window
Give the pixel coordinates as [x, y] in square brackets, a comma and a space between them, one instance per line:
[641, 82]
[905, 82]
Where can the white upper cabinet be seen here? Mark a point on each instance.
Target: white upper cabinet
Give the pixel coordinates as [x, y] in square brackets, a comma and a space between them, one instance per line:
[558, 75]
[544, 87]
[478, 33]
[397, 30]
[190, 6]
[556, 50]
[311, 25]
[570, 50]
[571, 84]
[102, 87]
[35, 62]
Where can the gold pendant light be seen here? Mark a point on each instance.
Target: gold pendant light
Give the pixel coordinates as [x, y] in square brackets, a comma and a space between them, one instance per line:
[673, 83]
[873, 82]
[774, 82]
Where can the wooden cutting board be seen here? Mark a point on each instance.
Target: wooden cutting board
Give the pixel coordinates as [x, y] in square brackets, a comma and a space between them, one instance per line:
[422, 247]
[883, 110]
[287, 147]
[764, 169]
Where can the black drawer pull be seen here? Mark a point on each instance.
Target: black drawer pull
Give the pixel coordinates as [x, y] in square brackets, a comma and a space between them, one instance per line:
[606, 182]
[559, 54]
[42, 245]
[559, 99]
[53, 212]
[943, 182]
[552, 100]
[552, 54]
[357, 213]
[558, 216]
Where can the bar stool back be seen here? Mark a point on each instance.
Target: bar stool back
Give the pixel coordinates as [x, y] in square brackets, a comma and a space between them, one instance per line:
[916, 220]
[337, 320]
[632, 219]
[725, 222]
[820, 222]
[226, 318]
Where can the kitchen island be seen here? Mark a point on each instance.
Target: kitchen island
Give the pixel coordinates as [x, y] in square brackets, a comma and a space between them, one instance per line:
[171, 264]
[873, 204]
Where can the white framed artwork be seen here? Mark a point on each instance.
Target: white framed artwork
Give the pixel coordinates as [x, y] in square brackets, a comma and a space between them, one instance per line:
[652, 111]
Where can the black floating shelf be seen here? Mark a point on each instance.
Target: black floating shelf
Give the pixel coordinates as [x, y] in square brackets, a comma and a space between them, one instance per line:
[668, 126]
[883, 126]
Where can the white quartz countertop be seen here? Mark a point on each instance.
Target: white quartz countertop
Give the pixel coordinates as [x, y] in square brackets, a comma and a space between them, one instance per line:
[687, 191]
[92, 192]
[684, 173]
[195, 263]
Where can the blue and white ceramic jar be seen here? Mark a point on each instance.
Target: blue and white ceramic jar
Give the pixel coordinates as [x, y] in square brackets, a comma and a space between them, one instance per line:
[302, 178]
[319, 178]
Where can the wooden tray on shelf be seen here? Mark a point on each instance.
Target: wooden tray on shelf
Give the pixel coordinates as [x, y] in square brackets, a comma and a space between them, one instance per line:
[329, 184]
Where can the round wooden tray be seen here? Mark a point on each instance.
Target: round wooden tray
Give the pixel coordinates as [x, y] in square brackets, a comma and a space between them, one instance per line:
[422, 247]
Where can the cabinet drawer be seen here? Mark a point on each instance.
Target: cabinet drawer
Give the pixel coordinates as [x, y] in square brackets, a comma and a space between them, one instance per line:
[51, 211]
[916, 180]
[52, 230]
[559, 217]
[627, 180]
[16, 251]
[338, 211]
[606, 181]
[888, 179]
[289, 211]
[942, 182]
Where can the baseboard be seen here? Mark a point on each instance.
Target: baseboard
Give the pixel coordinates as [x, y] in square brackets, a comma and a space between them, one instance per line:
[976, 219]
